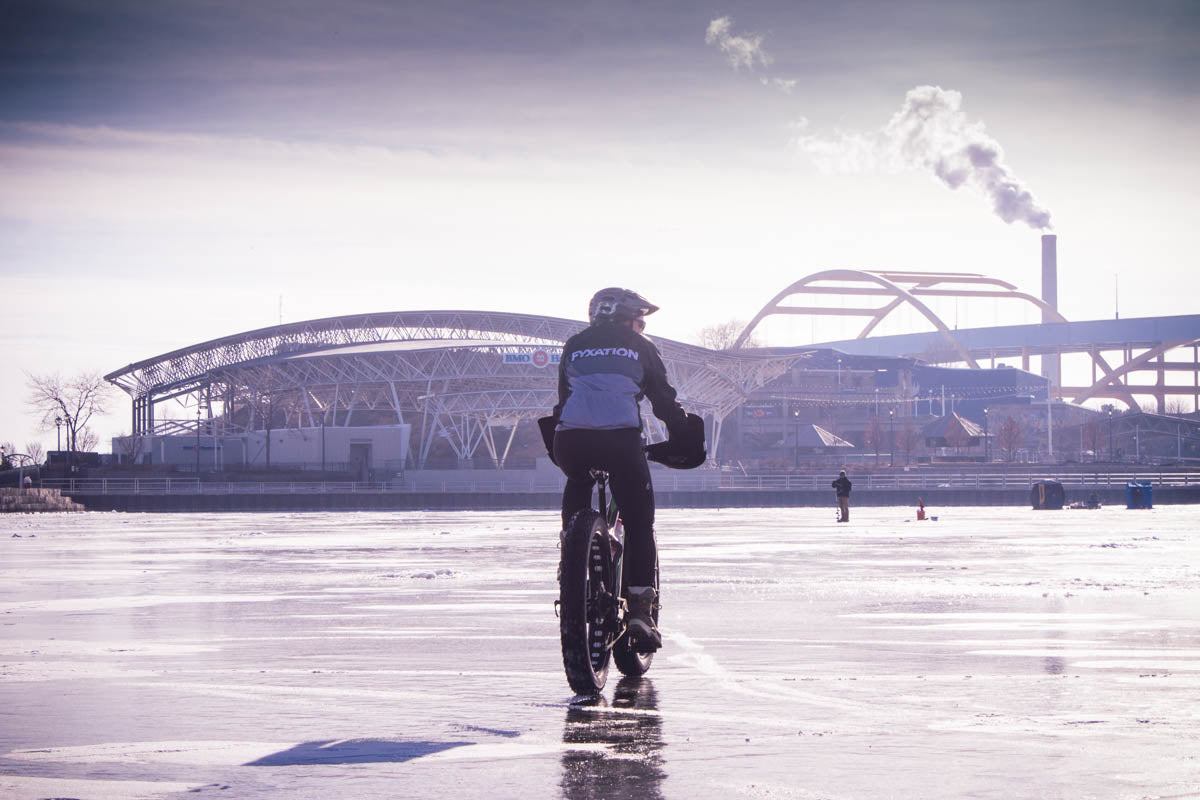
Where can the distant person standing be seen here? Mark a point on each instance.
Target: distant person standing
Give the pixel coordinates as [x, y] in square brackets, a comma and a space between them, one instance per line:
[842, 485]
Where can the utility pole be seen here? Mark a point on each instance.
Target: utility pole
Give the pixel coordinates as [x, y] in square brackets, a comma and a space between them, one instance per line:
[1110, 438]
[1049, 426]
[795, 439]
[892, 420]
[987, 450]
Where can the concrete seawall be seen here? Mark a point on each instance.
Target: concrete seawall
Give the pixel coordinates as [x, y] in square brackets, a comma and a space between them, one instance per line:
[491, 501]
[35, 501]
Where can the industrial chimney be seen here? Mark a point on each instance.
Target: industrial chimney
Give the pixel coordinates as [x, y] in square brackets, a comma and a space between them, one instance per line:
[1051, 364]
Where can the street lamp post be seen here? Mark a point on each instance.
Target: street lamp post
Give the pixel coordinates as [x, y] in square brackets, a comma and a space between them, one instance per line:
[197, 444]
[58, 421]
[70, 443]
[892, 423]
[322, 447]
[987, 449]
[1110, 438]
[795, 438]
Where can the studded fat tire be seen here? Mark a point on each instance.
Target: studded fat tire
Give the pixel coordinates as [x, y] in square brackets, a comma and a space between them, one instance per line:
[585, 575]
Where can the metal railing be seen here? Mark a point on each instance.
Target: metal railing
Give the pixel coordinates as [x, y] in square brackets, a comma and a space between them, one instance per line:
[706, 480]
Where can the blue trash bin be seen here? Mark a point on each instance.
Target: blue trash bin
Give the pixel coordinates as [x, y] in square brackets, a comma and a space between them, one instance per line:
[1139, 495]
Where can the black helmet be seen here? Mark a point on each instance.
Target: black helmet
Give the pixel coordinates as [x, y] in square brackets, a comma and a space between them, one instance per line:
[615, 304]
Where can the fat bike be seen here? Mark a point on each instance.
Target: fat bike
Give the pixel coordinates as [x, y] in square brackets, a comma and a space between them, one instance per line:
[592, 603]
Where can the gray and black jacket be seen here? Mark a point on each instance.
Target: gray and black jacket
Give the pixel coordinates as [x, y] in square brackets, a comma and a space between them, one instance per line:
[604, 373]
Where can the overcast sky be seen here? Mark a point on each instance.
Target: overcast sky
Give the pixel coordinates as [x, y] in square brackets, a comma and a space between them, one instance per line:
[170, 170]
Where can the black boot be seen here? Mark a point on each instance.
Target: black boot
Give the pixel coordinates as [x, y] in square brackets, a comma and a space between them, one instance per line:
[643, 634]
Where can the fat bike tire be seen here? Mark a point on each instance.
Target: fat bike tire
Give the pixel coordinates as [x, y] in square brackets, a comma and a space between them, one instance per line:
[631, 663]
[587, 602]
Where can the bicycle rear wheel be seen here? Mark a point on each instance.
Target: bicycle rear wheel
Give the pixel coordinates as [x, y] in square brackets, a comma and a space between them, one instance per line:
[587, 602]
[629, 661]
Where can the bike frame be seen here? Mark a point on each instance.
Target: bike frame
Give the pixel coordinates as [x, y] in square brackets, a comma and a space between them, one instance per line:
[611, 514]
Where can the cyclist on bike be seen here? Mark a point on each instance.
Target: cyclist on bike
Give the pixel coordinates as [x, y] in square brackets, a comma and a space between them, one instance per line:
[605, 371]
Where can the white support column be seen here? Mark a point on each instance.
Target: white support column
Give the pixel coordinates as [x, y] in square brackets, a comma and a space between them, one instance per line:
[512, 434]
[718, 424]
[490, 442]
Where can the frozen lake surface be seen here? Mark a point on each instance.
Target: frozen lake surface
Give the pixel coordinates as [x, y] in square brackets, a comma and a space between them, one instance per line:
[994, 653]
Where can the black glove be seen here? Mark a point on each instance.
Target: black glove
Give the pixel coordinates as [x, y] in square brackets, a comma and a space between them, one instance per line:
[685, 449]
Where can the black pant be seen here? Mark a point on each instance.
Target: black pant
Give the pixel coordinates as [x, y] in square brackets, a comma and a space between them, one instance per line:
[619, 453]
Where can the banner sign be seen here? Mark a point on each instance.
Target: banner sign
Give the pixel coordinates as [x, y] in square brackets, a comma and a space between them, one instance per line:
[760, 411]
[538, 358]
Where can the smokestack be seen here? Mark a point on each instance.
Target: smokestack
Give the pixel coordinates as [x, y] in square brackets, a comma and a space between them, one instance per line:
[1049, 273]
[1051, 364]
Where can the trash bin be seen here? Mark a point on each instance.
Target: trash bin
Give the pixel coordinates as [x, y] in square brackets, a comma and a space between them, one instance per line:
[1139, 495]
[1047, 495]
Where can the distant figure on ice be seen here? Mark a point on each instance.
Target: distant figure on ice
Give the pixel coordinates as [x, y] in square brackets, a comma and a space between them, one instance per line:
[920, 508]
[842, 485]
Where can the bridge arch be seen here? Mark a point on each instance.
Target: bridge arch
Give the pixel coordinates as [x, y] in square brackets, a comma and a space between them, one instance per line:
[901, 287]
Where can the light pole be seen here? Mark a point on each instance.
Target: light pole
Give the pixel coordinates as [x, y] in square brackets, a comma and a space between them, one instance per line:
[892, 423]
[197, 444]
[839, 374]
[70, 443]
[1110, 441]
[322, 446]
[987, 449]
[1049, 427]
[58, 430]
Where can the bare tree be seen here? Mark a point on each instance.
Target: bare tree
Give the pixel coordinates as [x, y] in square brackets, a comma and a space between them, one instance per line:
[907, 438]
[1089, 436]
[86, 440]
[875, 436]
[723, 335]
[71, 402]
[129, 448]
[35, 451]
[940, 352]
[1009, 438]
[1177, 407]
[957, 437]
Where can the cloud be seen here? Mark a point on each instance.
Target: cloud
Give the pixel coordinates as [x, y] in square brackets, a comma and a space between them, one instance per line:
[741, 50]
[785, 86]
[931, 132]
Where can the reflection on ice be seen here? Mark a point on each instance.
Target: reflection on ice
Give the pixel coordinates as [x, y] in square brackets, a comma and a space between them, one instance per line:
[630, 731]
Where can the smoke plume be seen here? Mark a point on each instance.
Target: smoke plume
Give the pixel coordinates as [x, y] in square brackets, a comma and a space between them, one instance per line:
[931, 132]
[742, 51]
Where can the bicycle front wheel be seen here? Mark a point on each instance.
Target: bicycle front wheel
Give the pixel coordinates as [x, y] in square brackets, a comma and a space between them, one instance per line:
[587, 601]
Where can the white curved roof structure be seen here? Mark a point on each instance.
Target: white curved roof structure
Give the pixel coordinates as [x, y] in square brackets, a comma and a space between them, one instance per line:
[462, 372]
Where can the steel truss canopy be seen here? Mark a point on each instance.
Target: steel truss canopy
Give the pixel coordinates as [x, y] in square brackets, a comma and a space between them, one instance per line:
[463, 372]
